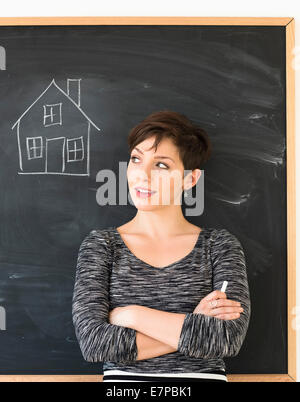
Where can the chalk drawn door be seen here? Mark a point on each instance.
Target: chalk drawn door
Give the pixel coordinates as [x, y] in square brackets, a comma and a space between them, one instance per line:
[55, 155]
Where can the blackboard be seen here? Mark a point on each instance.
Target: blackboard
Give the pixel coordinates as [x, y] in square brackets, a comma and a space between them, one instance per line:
[229, 79]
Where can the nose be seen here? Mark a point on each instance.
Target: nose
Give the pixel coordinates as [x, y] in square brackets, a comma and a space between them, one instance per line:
[146, 173]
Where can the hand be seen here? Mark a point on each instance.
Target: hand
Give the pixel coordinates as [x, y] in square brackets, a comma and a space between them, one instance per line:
[216, 304]
[122, 316]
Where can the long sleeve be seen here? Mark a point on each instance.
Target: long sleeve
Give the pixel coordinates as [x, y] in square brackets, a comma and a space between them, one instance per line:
[99, 340]
[210, 337]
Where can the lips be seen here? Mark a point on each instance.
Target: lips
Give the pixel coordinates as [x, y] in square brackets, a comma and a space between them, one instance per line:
[144, 189]
[144, 192]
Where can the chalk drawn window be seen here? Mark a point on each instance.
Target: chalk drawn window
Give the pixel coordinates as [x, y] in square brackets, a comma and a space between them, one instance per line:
[34, 147]
[75, 149]
[52, 114]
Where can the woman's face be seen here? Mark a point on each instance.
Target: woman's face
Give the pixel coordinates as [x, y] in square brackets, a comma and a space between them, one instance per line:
[161, 172]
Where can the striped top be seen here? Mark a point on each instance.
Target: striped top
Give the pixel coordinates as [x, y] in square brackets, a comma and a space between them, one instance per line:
[109, 275]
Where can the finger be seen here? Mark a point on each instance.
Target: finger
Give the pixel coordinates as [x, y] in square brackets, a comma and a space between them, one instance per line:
[228, 303]
[226, 310]
[228, 316]
[216, 294]
[222, 303]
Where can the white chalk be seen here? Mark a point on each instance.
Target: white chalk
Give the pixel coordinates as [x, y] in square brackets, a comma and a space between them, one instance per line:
[224, 286]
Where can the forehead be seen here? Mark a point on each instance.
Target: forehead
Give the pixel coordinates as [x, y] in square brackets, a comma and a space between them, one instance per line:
[166, 147]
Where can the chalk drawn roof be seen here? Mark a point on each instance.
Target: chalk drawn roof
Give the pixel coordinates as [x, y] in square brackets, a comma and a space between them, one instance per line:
[66, 95]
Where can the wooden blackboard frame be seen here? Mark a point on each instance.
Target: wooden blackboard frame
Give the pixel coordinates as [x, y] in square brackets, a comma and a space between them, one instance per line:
[289, 24]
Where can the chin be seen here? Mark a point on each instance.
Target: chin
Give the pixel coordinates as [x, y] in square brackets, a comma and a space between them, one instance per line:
[141, 207]
[144, 205]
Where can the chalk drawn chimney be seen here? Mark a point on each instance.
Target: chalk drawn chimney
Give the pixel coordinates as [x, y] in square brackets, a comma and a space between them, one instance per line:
[73, 90]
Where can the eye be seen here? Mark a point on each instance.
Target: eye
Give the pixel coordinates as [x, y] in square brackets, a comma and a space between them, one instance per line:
[158, 163]
[133, 157]
[161, 163]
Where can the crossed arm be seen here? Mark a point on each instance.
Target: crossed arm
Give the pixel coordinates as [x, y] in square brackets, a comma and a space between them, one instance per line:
[157, 332]
[147, 332]
[148, 347]
[163, 335]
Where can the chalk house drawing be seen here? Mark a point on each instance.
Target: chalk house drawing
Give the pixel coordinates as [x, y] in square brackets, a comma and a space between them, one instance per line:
[53, 134]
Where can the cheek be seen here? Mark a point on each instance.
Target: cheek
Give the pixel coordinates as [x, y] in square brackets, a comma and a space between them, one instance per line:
[176, 186]
[168, 181]
[134, 175]
[129, 175]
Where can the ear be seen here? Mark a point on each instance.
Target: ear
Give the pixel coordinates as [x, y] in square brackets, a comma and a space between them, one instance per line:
[191, 179]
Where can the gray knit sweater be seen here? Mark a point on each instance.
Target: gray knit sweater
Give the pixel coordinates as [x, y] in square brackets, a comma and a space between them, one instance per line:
[109, 275]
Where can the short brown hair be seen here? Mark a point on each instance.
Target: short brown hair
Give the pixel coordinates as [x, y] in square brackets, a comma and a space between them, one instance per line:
[192, 141]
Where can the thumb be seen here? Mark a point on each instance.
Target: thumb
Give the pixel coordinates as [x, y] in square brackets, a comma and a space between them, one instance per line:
[216, 294]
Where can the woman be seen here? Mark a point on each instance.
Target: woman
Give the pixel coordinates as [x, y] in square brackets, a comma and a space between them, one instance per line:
[147, 300]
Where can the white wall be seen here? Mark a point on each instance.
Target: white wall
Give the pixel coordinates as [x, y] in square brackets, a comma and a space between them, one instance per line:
[211, 8]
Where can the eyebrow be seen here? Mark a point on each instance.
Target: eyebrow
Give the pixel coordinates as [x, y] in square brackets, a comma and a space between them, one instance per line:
[157, 156]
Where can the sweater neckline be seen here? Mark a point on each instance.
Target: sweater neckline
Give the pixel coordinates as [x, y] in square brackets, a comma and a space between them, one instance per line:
[181, 260]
